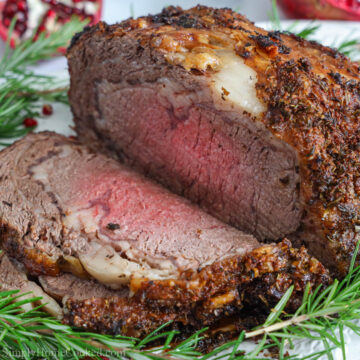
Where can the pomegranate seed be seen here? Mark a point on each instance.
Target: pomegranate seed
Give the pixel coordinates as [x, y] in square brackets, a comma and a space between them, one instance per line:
[47, 109]
[6, 22]
[51, 13]
[30, 122]
[21, 6]
[53, 9]
[10, 10]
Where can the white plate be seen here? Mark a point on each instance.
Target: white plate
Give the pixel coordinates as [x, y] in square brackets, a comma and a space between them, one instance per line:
[330, 33]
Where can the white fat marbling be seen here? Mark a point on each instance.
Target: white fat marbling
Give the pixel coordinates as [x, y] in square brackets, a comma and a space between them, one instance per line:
[108, 267]
[234, 84]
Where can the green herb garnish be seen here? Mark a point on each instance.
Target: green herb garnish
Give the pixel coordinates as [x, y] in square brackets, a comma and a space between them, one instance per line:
[22, 91]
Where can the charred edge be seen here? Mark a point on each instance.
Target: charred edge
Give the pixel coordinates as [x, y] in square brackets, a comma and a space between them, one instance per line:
[259, 297]
[196, 17]
[76, 38]
[160, 301]
[265, 42]
[34, 261]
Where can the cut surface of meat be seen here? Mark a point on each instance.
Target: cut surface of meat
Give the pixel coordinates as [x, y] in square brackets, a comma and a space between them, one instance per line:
[232, 167]
[124, 256]
[259, 128]
[64, 207]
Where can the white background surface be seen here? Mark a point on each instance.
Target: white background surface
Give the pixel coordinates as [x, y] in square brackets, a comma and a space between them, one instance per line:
[257, 10]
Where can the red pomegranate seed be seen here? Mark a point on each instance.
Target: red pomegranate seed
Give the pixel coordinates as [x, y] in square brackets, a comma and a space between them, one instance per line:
[51, 14]
[10, 10]
[47, 109]
[30, 122]
[6, 22]
[21, 5]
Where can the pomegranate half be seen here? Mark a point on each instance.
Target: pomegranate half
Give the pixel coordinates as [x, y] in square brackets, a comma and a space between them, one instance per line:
[44, 15]
[322, 9]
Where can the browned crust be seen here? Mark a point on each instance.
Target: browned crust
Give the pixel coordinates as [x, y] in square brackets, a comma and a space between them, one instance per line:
[227, 288]
[312, 94]
[36, 262]
[314, 105]
[207, 18]
[14, 238]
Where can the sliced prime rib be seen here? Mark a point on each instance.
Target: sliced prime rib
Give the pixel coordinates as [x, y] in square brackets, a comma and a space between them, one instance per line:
[124, 255]
[259, 128]
[64, 207]
[13, 277]
[66, 286]
[232, 291]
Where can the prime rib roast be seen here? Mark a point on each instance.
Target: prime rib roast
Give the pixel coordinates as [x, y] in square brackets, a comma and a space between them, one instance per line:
[259, 128]
[122, 255]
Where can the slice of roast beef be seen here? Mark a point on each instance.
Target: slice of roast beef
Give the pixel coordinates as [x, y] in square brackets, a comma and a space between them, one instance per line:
[233, 290]
[124, 255]
[13, 277]
[70, 286]
[259, 128]
[65, 208]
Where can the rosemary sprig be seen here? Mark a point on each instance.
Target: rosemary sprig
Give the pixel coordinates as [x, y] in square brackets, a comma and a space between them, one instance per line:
[21, 89]
[34, 334]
